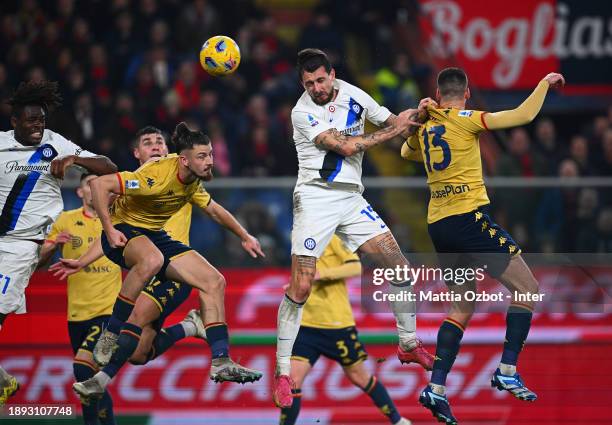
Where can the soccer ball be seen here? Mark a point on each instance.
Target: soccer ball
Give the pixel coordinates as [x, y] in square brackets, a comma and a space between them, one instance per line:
[220, 55]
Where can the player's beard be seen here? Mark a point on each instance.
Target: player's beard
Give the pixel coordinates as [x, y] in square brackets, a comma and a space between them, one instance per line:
[323, 101]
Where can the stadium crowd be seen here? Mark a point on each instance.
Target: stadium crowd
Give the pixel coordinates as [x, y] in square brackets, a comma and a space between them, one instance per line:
[125, 64]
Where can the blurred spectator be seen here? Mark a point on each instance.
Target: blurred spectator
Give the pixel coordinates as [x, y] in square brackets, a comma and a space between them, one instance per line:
[588, 207]
[520, 159]
[579, 152]
[603, 240]
[555, 223]
[547, 145]
[187, 86]
[395, 87]
[604, 163]
[196, 23]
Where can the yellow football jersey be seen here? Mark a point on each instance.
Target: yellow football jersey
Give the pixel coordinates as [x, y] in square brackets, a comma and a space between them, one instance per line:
[153, 193]
[93, 290]
[179, 224]
[328, 305]
[448, 143]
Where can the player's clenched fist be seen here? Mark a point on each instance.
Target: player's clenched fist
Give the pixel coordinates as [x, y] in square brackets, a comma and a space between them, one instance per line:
[407, 118]
[115, 238]
[555, 80]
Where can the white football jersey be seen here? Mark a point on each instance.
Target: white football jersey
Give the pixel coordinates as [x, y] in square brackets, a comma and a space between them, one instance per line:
[347, 114]
[30, 197]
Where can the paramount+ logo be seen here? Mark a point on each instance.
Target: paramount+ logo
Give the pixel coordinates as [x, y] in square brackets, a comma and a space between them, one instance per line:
[449, 190]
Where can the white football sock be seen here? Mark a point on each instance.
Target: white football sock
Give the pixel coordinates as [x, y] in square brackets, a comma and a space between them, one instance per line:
[438, 389]
[189, 328]
[288, 325]
[507, 369]
[405, 316]
[102, 378]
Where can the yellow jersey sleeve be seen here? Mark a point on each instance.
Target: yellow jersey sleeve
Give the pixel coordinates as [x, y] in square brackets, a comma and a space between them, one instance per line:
[411, 150]
[521, 115]
[201, 197]
[58, 227]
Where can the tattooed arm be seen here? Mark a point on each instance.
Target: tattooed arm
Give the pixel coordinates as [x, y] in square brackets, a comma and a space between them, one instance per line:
[345, 145]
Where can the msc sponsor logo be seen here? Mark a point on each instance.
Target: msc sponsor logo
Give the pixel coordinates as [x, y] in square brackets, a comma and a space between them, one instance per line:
[449, 190]
[97, 269]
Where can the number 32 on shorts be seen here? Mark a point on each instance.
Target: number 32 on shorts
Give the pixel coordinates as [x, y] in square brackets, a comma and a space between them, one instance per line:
[371, 214]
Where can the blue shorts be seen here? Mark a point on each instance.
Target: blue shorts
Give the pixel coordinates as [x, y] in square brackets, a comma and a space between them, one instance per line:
[84, 334]
[168, 296]
[167, 246]
[341, 345]
[472, 240]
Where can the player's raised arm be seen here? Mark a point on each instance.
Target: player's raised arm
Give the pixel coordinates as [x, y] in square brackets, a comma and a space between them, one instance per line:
[344, 145]
[526, 111]
[67, 266]
[98, 164]
[102, 188]
[227, 220]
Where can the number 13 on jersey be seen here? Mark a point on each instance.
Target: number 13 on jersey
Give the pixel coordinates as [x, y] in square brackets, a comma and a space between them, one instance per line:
[437, 141]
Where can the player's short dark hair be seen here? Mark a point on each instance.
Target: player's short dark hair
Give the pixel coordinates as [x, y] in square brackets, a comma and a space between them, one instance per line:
[185, 138]
[87, 174]
[452, 82]
[149, 129]
[310, 60]
[37, 93]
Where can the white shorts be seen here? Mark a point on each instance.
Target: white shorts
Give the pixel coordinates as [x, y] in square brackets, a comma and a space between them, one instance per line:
[18, 260]
[319, 212]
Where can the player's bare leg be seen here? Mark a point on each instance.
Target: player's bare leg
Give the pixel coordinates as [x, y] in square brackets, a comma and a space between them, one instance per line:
[193, 269]
[521, 283]
[303, 270]
[384, 250]
[144, 260]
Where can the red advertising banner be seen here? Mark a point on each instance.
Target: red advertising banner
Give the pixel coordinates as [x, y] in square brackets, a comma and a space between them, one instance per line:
[253, 296]
[514, 44]
[571, 381]
[566, 353]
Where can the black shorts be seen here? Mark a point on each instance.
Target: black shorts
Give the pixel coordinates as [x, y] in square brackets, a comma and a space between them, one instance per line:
[167, 246]
[168, 296]
[472, 240]
[85, 334]
[341, 345]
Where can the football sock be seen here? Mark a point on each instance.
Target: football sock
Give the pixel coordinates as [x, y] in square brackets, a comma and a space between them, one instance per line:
[129, 336]
[518, 322]
[165, 339]
[189, 329]
[288, 325]
[121, 311]
[218, 339]
[405, 316]
[105, 410]
[449, 338]
[82, 372]
[379, 395]
[289, 414]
